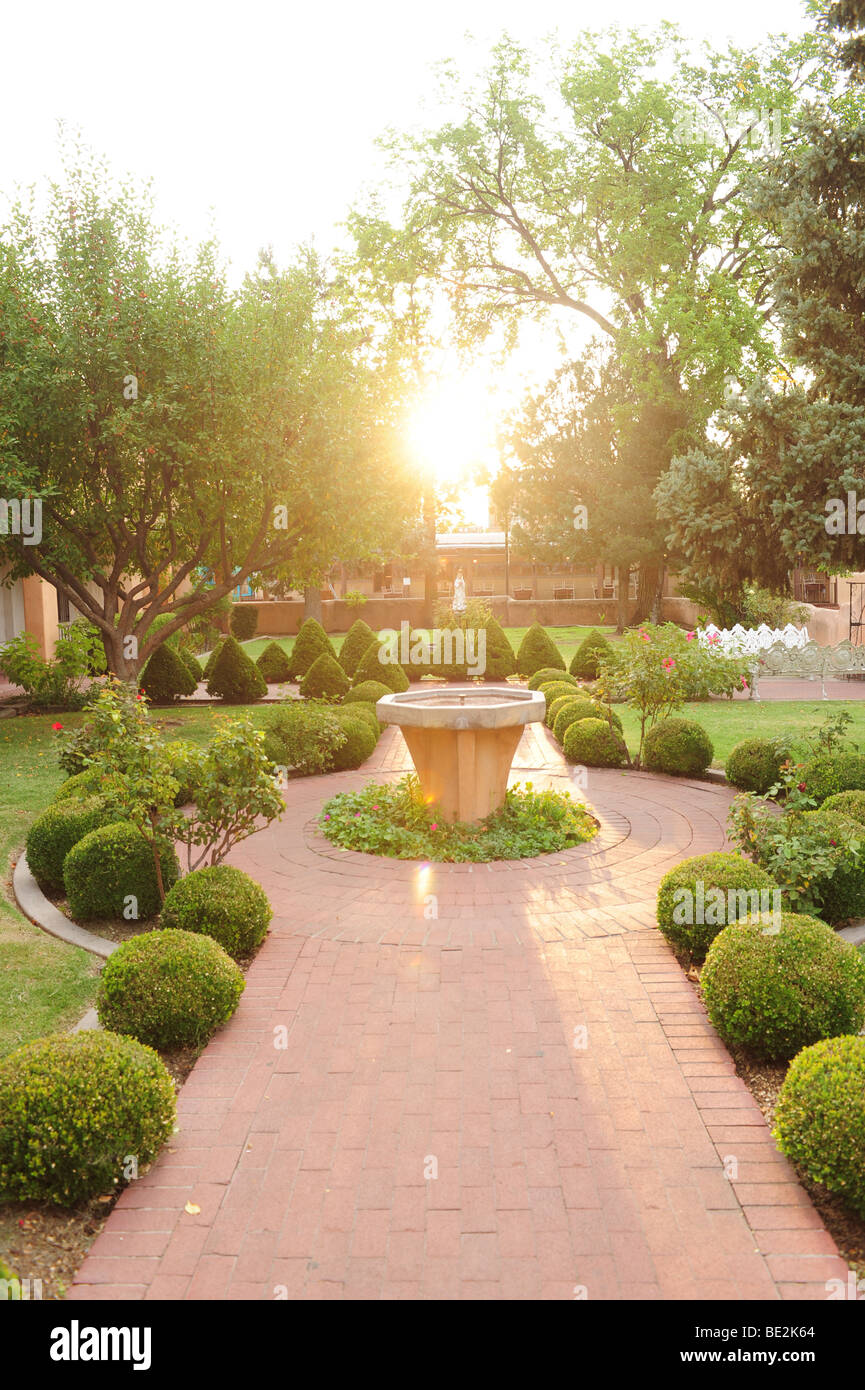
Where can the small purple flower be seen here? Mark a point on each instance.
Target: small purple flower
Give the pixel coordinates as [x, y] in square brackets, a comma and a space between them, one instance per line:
[327, 817]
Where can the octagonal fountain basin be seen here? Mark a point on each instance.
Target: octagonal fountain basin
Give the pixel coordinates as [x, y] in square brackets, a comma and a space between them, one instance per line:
[462, 739]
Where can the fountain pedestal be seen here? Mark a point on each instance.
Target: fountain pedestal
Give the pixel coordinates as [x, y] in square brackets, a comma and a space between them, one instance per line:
[462, 740]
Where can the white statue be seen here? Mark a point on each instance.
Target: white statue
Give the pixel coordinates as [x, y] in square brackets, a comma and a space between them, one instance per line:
[459, 603]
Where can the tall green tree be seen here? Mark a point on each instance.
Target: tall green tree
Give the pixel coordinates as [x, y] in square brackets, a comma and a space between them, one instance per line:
[179, 436]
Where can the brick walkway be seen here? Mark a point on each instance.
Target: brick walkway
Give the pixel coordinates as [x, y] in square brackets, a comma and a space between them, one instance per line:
[469, 1082]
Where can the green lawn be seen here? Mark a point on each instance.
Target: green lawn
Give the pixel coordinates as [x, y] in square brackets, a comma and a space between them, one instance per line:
[728, 722]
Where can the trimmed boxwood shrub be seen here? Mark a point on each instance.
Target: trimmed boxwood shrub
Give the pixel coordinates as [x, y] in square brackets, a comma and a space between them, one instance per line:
[235, 677]
[677, 746]
[362, 710]
[369, 692]
[776, 989]
[213, 658]
[538, 650]
[309, 644]
[94, 781]
[679, 896]
[553, 690]
[357, 643]
[192, 664]
[168, 988]
[549, 673]
[166, 676]
[820, 1117]
[850, 804]
[109, 866]
[592, 743]
[835, 772]
[843, 894]
[755, 764]
[325, 679]
[273, 663]
[500, 659]
[360, 742]
[572, 711]
[59, 828]
[73, 1108]
[243, 621]
[584, 662]
[383, 673]
[222, 902]
[555, 707]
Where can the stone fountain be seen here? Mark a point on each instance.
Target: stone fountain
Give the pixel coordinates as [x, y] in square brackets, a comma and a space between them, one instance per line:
[462, 740]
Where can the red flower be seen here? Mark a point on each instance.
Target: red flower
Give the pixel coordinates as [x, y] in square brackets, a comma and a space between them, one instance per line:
[57, 727]
[803, 786]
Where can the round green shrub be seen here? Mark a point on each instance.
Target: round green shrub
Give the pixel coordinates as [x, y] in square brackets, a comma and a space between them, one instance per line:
[843, 894]
[365, 711]
[718, 887]
[192, 664]
[850, 804]
[325, 679]
[59, 828]
[222, 902]
[243, 621]
[538, 650]
[168, 988]
[547, 674]
[835, 772]
[555, 707]
[166, 677]
[572, 711]
[357, 643]
[388, 673]
[592, 743]
[554, 690]
[73, 1108]
[369, 692]
[111, 865]
[359, 745]
[591, 650]
[309, 644]
[677, 746]
[776, 988]
[94, 781]
[235, 677]
[273, 663]
[755, 764]
[820, 1117]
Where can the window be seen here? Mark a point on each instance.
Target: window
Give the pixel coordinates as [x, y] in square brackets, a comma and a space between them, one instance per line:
[63, 614]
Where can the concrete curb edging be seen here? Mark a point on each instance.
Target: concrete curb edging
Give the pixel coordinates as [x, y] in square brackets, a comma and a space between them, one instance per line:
[42, 913]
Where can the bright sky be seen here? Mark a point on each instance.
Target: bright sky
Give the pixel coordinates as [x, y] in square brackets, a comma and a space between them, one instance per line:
[261, 117]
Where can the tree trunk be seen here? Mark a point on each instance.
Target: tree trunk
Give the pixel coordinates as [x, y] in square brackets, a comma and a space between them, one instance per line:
[312, 603]
[121, 664]
[621, 597]
[650, 579]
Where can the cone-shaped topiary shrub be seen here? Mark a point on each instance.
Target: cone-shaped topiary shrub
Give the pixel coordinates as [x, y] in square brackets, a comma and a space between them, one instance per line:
[592, 743]
[235, 677]
[776, 987]
[222, 902]
[549, 673]
[369, 692]
[360, 741]
[273, 663]
[213, 658]
[820, 1117]
[59, 828]
[573, 710]
[755, 764]
[166, 676]
[842, 894]
[677, 746]
[370, 668]
[500, 659]
[168, 988]
[309, 644]
[325, 679]
[707, 892]
[111, 873]
[358, 641]
[537, 650]
[243, 621]
[192, 664]
[73, 1108]
[584, 662]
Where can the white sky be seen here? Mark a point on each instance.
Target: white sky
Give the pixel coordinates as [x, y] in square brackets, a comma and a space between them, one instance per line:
[259, 119]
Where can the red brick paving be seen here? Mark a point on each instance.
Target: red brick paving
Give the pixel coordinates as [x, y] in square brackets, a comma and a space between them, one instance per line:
[469, 1081]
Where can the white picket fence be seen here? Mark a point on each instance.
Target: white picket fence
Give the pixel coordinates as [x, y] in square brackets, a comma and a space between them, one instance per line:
[748, 641]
